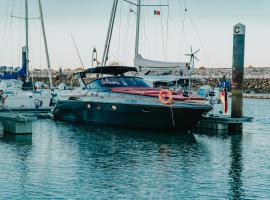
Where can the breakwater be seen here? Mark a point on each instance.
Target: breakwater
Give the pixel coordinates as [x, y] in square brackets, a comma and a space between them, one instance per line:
[251, 85]
[257, 79]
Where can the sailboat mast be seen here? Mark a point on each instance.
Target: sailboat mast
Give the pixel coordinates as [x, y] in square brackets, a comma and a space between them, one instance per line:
[27, 40]
[109, 33]
[45, 43]
[138, 22]
[190, 74]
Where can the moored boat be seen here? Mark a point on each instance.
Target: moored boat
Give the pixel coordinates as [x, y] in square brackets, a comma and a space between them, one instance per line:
[17, 92]
[127, 101]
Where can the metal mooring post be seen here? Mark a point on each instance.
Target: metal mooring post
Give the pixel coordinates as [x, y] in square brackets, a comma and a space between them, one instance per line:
[239, 31]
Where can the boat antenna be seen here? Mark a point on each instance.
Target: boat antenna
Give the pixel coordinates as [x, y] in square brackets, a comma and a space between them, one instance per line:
[109, 33]
[77, 50]
[45, 43]
[193, 57]
[26, 19]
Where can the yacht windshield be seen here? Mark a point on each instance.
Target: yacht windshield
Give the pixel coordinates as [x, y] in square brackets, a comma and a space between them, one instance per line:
[118, 82]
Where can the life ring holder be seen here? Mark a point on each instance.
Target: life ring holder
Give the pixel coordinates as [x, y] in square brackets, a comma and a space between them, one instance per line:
[38, 103]
[165, 97]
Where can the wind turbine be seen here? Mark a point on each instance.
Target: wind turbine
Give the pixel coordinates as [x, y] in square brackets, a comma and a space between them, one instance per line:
[193, 57]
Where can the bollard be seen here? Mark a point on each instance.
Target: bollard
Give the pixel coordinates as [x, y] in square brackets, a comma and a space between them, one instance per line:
[238, 70]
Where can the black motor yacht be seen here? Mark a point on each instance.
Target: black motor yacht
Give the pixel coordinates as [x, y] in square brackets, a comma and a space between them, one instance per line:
[114, 98]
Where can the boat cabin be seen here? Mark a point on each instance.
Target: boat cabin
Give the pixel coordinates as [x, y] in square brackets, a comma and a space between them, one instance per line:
[111, 77]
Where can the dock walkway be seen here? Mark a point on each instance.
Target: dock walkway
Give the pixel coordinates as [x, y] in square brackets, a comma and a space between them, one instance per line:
[17, 123]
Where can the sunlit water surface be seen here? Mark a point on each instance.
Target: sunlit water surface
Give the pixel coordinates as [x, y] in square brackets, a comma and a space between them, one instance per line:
[64, 160]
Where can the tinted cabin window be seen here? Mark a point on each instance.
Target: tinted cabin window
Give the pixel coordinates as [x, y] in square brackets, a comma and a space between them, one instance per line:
[95, 84]
[118, 82]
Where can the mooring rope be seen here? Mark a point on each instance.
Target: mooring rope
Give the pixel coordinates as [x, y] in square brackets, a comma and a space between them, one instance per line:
[173, 122]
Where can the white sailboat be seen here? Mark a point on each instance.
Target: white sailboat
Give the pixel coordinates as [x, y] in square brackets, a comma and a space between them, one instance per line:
[139, 61]
[20, 94]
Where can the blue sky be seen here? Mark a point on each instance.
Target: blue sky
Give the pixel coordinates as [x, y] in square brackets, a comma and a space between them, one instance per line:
[207, 26]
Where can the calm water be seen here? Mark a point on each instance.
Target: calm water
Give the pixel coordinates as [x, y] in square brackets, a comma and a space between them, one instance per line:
[79, 162]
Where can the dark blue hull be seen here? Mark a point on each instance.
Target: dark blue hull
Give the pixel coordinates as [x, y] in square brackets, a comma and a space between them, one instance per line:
[130, 115]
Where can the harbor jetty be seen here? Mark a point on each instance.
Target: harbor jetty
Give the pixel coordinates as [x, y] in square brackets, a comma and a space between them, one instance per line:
[257, 79]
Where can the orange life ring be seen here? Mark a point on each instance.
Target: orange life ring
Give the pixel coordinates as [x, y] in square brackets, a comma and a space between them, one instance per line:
[165, 97]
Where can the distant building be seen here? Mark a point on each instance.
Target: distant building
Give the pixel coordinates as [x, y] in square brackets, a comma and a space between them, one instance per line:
[16, 69]
[9, 69]
[3, 68]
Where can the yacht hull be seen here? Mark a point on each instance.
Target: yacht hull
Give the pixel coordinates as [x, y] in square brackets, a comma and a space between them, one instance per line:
[134, 116]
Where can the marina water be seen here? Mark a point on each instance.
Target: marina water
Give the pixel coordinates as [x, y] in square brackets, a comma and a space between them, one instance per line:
[64, 160]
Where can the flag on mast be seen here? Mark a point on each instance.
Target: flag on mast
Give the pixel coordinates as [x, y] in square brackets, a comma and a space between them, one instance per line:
[156, 12]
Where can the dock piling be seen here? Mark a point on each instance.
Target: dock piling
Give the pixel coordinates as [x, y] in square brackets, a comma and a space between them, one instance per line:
[238, 70]
[234, 123]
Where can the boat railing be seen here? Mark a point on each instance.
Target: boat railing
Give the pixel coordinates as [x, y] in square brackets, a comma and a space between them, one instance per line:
[141, 97]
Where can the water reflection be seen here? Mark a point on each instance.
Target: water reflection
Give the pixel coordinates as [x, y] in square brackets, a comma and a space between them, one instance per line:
[19, 148]
[235, 129]
[236, 167]
[234, 134]
[122, 158]
[69, 159]
[223, 134]
[16, 139]
[154, 136]
[121, 147]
